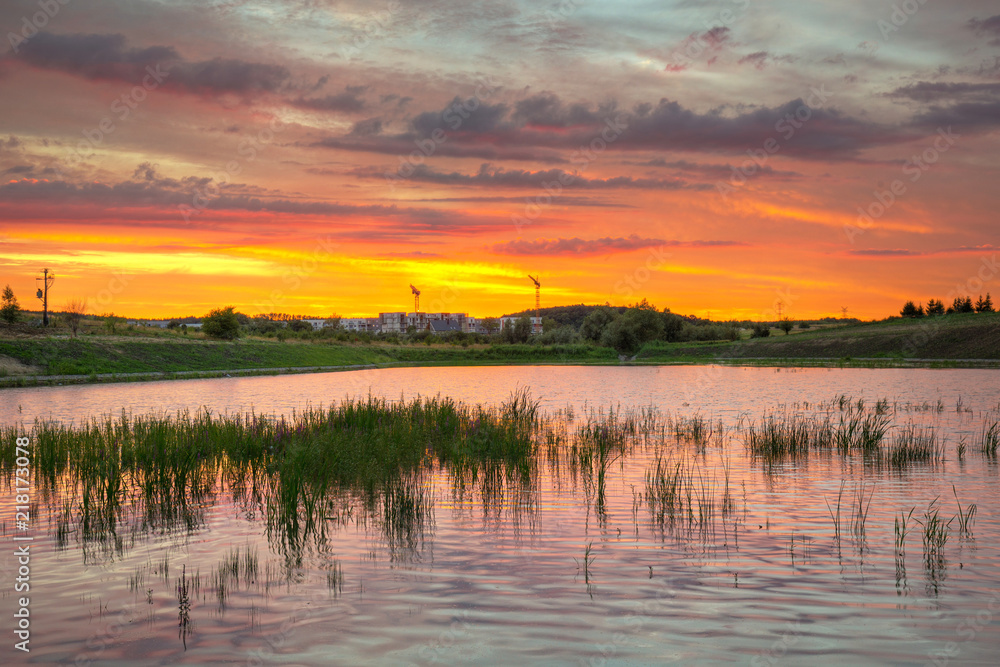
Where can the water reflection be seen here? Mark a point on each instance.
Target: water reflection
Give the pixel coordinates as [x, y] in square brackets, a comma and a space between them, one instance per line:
[533, 523]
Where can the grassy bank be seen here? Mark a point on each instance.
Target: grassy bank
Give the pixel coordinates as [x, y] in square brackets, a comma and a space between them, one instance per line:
[119, 355]
[942, 340]
[954, 338]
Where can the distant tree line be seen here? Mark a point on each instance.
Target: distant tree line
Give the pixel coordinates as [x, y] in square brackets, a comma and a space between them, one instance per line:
[959, 305]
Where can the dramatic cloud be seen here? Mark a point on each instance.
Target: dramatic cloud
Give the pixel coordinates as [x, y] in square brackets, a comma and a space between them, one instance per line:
[540, 125]
[973, 106]
[716, 171]
[606, 130]
[553, 179]
[107, 57]
[928, 92]
[603, 246]
[349, 101]
[989, 27]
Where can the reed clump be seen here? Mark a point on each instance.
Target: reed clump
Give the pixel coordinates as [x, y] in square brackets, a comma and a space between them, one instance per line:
[911, 444]
[989, 439]
[775, 438]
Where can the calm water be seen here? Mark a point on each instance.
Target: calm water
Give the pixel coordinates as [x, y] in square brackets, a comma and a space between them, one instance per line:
[500, 581]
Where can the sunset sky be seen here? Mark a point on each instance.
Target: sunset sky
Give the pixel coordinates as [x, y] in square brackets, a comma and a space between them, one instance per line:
[167, 157]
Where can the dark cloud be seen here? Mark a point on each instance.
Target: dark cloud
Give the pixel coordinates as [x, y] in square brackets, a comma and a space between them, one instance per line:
[758, 59]
[470, 116]
[885, 253]
[989, 27]
[928, 92]
[966, 116]
[367, 127]
[705, 46]
[962, 106]
[348, 101]
[145, 172]
[547, 110]
[903, 252]
[715, 170]
[108, 57]
[491, 176]
[543, 128]
[403, 145]
[20, 169]
[563, 201]
[602, 246]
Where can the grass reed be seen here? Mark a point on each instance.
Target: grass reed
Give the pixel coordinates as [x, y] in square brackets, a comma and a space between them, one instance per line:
[989, 439]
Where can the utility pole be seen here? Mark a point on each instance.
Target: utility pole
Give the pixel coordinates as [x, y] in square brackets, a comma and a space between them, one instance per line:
[843, 312]
[780, 307]
[43, 293]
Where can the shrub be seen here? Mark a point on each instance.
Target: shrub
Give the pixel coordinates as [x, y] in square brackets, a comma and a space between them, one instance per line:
[221, 323]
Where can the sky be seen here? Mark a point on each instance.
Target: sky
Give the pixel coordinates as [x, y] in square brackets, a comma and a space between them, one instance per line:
[729, 159]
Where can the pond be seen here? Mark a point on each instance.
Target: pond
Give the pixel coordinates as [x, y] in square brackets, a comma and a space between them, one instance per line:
[661, 515]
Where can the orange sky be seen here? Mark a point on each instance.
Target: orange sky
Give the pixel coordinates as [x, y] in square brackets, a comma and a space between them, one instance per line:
[318, 158]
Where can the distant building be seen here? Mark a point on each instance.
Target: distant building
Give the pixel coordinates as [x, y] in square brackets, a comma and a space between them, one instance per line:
[401, 322]
[444, 326]
[359, 324]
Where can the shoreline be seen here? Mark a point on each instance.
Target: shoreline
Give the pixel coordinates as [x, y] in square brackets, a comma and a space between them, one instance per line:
[22, 381]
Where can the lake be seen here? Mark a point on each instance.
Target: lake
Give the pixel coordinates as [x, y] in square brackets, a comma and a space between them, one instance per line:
[570, 563]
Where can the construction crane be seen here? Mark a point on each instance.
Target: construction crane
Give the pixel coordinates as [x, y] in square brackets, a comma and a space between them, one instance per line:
[538, 295]
[416, 298]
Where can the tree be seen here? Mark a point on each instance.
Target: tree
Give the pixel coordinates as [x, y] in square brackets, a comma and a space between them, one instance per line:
[594, 324]
[332, 322]
[984, 305]
[299, 326]
[111, 322]
[518, 332]
[760, 330]
[74, 313]
[633, 328]
[785, 325]
[10, 311]
[935, 307]
[491, 325]
[911, 310]
[221, 323]
[961, 305]
[672, 325]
